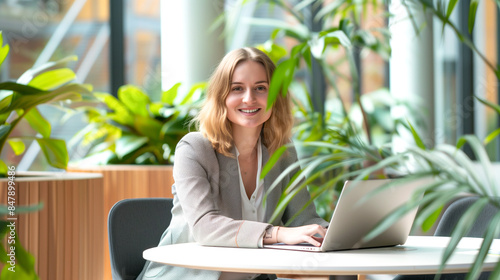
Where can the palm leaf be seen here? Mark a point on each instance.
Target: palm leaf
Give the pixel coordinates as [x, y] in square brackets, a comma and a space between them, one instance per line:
[491, 233]
[462, 228]
[472, 14]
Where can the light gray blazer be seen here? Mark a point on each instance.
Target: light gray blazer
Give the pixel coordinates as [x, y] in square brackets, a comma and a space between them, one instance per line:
[207, 205]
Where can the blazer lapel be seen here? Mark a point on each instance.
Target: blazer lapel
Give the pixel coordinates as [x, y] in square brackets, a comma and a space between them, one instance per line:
[229, 187]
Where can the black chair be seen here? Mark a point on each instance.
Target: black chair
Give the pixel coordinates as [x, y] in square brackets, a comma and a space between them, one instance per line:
[133, 226]
[445, 227]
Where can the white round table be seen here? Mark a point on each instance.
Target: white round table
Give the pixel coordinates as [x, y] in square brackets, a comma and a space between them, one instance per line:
[419, 255]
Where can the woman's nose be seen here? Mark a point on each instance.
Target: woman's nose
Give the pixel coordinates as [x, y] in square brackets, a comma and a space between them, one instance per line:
[249, 96]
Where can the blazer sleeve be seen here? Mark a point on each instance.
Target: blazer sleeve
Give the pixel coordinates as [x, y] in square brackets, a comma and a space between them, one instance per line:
[196, 179]
[308, 215]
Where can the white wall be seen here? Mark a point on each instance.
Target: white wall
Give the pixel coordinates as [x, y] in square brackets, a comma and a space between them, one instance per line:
[411, 66]
[189, 50]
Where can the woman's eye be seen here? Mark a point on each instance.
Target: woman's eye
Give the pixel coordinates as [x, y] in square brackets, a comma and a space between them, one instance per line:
[236, 89]
[261, 88]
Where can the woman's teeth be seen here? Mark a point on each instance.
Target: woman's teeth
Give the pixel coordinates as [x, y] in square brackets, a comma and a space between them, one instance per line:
[249, 111]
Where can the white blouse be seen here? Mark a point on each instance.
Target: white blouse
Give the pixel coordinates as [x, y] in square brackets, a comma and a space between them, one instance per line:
[251, 209]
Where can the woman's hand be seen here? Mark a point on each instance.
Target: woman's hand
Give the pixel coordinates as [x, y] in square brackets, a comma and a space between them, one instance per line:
[296, 235]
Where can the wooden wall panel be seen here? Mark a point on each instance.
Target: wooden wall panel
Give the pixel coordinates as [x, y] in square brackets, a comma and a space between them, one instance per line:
[71, 217]
[128, 181]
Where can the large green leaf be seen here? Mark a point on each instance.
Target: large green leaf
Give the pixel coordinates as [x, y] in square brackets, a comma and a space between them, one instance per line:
[148, 127]
[71, 92]
[4, 50]
[157, 108]
[53, 79]
[188, 98]
[3, 169]
[25, 265]
[24, 268]
[134, 99]
[274, 51]
[7, 97]
[27, 76]
[120, 114]
[169, 95]
[279, 80]
[55, 151]
[30, 97]
[337, 37]
[17, 145]
[38, 122]
[176, 128]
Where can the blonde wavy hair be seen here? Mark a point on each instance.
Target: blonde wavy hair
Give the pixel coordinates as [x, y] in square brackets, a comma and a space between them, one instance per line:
[212, 119]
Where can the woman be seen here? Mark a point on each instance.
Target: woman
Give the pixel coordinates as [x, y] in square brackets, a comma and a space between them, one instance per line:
[218, 196]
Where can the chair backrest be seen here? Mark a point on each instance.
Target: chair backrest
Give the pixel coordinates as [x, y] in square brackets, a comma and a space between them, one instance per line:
[447, 224]
[135, 225]
[456, 210]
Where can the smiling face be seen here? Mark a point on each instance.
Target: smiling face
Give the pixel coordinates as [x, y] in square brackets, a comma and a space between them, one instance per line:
[247, 99]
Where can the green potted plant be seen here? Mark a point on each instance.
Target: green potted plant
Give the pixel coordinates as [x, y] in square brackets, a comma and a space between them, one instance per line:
[133, 129]
[59, 191]
[19, 100]
[457, 173]
[342, 152]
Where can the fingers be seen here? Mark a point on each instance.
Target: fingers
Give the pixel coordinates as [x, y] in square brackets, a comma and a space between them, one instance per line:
[322, 231]
[312, 234]
[313, 239]
[317, 229]
[319, 239]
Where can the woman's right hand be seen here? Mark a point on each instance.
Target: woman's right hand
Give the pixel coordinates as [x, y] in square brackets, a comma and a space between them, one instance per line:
[296, 235]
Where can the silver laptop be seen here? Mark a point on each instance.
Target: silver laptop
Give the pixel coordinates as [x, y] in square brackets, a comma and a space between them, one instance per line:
[358, 211]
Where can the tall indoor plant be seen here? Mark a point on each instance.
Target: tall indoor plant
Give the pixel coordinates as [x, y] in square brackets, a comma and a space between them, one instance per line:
[453, 171]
